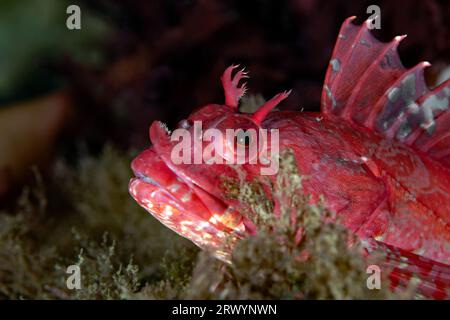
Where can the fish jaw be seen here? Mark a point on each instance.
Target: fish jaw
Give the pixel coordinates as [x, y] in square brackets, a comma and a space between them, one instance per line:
[173, 197]
[164, 208]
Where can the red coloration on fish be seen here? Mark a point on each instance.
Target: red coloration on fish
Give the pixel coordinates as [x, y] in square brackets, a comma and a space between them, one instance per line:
[379, 153]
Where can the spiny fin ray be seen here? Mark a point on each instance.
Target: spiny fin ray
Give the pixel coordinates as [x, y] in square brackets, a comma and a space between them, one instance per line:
[366, 84]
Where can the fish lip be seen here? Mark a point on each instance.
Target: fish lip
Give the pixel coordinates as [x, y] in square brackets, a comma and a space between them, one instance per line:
[146, 179]
[142, 177]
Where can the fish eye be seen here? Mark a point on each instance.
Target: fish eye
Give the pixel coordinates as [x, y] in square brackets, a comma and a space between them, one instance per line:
[239, 138]
[243, 138]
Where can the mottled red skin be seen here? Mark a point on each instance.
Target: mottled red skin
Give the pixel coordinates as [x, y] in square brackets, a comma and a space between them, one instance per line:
[380, 188]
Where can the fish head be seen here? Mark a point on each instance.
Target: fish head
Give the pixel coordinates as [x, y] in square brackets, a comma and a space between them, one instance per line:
[179, 179]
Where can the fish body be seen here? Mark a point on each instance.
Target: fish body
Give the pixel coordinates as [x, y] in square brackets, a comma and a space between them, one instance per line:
[378, 153]
[378, 187]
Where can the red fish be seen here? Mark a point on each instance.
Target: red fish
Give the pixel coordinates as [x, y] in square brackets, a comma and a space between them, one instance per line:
[378, 152]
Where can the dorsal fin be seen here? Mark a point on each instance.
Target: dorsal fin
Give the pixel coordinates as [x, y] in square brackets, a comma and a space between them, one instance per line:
[367, 84]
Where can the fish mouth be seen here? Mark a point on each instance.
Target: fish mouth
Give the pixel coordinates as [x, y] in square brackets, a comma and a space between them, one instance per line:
[183, 201]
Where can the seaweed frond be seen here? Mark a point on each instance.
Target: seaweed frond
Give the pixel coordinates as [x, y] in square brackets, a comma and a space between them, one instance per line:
[103, 274]
[27, 269]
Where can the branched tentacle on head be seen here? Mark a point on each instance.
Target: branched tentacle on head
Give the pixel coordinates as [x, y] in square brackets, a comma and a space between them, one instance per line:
[234, 92]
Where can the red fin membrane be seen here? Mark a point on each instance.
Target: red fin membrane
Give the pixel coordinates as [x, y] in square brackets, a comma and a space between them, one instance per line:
[430, 128]
[367, 84]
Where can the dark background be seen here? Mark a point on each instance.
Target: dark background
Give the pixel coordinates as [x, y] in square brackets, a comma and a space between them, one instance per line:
[136, 61]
